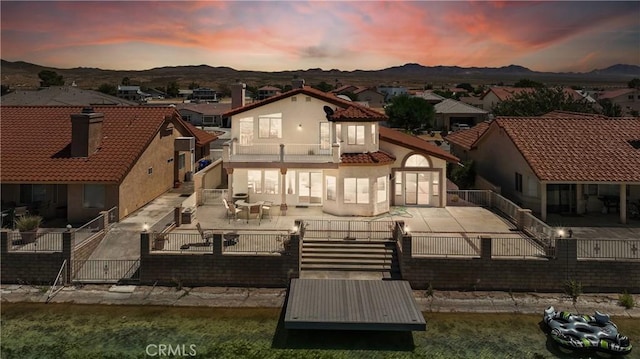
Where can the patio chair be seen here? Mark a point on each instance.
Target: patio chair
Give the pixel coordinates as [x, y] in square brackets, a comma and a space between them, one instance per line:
[206, 235]
[19, 212]
[232, 210]
[265, 209]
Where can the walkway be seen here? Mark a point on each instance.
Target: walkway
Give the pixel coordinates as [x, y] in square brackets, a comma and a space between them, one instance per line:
[123, 239]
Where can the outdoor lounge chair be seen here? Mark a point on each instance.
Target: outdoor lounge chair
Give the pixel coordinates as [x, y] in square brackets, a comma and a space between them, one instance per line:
[265, 210]
[232, 210]
[206, 235]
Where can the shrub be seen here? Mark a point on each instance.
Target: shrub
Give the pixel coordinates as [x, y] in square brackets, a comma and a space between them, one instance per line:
[626, 300]
[573, 289]
[28, 223]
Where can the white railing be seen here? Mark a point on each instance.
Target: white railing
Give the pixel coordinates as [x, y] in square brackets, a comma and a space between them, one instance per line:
[508, 208]
[272, 152]
[214, 196]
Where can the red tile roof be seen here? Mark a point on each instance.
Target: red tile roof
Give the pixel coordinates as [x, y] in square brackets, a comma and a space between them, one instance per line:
[202, 137]
[577, 149]
[466, 138]
[309, 91]
[35, 143]
[415, 143]
[379, 157]
[358, 114]
[615, 93]
[566, 114]
[504, 93]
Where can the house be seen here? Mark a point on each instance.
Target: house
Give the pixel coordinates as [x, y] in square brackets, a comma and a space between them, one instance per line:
[132, 93]
[204, 94]
[265, 92]
[391, 91]
[450, 112]
[429, 96]
[306, 147]
[367, 95]
[71, 162]
[558, 163]
[203, 114]
[628, 99]
[62, 96]
[494, 95]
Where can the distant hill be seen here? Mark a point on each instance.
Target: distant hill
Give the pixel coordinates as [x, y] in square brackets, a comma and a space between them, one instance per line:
[23, 75]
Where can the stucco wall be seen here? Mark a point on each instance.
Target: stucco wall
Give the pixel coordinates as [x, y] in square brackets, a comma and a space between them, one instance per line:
[139, 187]
[76, 213]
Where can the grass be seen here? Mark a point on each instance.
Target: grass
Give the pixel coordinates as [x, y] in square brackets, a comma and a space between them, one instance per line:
[626, 300]
[82, 331]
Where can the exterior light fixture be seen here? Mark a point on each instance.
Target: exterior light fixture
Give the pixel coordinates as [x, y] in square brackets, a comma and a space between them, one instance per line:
[294, 229]
[406, 229]
[560, 233]
[69, 227]
[299, 126]
[145, 227]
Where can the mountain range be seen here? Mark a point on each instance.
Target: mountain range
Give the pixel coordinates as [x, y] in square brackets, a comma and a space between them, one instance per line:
[21, 74]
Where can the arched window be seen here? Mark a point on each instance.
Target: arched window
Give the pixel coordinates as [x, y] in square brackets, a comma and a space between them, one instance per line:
[417, 161]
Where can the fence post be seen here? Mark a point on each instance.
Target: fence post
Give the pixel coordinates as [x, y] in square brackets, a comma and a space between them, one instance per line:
[217, 245]
[282, 152]
[522, 212]
[68, 244]
[105, 219]
[485, 248]
[145, 239]
[4, 246]
[177, 215]
[567, 252]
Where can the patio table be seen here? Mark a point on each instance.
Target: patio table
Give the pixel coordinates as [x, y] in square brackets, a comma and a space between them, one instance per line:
[248, 206]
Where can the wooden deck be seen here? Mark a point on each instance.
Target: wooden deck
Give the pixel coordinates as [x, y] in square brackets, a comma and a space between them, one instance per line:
[334, 304]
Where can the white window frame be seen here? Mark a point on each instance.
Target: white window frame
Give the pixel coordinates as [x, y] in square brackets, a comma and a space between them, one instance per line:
[331, 188]
[381, 190]
[270, 126]
[373, 133]
[361, 190]
[259, 182]
[245, 129]
[325, 135]
[355, 134]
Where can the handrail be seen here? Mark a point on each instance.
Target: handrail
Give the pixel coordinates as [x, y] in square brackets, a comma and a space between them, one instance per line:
[51, 292]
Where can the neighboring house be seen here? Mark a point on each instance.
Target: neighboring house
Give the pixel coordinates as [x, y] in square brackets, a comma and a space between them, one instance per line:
[265, 92]
[497, 94]
[370, 96]
[132, 93]
[450, 112]
[306, 147]
[628, 99]
[391, 91]
[185, 94]
[203, 114]
[204, 94]
[573, 164]
[430, 97]
[62, 96]
[73, 162]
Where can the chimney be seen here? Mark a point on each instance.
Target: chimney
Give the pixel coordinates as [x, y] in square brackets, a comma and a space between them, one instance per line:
[86, 132]
[297, 83]
[237, 95]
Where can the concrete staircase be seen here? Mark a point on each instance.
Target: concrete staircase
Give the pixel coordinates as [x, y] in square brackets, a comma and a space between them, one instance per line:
[350, 255]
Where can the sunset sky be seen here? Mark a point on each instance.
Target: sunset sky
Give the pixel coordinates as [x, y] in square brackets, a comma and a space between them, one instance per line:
[292, 35]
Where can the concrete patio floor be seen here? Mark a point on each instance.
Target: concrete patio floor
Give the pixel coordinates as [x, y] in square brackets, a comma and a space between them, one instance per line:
[453, 220]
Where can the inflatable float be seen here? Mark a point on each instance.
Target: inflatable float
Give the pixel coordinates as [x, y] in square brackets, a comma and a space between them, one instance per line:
[585, 332]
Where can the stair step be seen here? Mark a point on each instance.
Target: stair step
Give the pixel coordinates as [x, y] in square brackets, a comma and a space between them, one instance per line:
[347, 256]
[346, 250]
[347, 267]
[348, 241]
[348, 246]
[338, 261]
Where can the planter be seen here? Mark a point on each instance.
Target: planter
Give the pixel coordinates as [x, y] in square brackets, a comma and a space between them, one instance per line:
[158, 243]
[28, 236]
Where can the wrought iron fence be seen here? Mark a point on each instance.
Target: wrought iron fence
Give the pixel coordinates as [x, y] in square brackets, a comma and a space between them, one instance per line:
[518, 248]
[344, 229]
[256, 243]
[617, 249]
[105, 270]
[35, 241]
[180, 242]
[90, 229]
[214, 196]
[444, 246]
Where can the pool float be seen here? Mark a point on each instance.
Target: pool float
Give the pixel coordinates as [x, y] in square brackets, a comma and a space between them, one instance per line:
[585, 332]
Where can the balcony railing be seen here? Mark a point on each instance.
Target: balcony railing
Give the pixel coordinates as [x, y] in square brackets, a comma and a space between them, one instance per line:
[273, 152]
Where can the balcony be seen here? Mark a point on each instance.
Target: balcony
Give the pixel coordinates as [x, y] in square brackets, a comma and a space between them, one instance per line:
[273, 152]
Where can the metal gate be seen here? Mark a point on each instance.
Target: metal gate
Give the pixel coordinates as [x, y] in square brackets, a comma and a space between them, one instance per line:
[105, 270]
